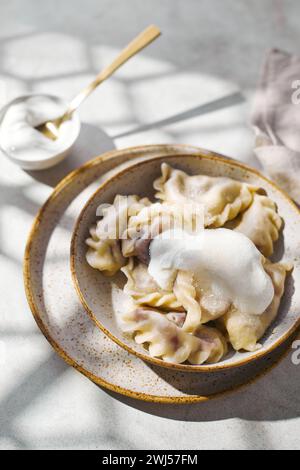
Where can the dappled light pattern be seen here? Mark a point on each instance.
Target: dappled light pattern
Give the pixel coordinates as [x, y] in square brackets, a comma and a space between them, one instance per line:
[192, 86]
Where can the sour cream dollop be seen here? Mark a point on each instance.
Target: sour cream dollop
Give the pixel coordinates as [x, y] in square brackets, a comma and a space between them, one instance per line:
[23, 143]
[222, 260]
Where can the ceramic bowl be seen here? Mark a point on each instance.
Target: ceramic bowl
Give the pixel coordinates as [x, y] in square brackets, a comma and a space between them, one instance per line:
[103, 298]
[55, 158]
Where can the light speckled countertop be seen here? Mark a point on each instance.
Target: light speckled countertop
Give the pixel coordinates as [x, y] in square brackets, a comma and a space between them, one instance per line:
[201, 74]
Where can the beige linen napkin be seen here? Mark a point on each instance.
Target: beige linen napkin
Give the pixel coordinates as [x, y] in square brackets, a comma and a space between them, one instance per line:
[276, 121]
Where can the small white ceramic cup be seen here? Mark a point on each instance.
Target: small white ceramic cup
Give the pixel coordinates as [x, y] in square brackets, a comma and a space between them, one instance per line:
[52, 160]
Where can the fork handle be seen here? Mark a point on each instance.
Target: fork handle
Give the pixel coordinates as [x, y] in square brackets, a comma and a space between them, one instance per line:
[141, 41]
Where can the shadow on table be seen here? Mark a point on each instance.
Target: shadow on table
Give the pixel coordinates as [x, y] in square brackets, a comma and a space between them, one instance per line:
[220, 103]
[272, 397]
[30, 388]
[92, 141]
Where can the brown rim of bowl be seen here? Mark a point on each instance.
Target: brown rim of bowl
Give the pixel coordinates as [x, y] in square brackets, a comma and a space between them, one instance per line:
[183, 367]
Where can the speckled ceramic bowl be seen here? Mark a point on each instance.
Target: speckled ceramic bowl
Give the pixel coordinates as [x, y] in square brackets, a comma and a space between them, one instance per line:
[103, 298]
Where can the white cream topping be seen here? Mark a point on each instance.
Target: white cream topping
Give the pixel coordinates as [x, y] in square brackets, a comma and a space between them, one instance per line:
[226, 262]
[21, 140]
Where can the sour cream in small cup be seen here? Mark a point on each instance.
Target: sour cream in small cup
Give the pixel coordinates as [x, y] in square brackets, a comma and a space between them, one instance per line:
[23, 144]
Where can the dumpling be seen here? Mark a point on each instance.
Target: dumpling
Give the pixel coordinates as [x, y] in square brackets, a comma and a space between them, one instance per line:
[167, 341]
[138, 246]
[153, 219]
[260, 222]
[223, 198]
[200, 307]
[201, 304]
[186, 294]
[177, 317]
[245, 330]
[144, 290]
[104, 252]
[218, 345]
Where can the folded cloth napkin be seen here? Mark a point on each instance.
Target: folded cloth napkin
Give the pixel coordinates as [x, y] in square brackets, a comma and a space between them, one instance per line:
[276, 121]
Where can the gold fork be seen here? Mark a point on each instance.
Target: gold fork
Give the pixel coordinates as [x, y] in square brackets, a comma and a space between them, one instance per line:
[51, 128]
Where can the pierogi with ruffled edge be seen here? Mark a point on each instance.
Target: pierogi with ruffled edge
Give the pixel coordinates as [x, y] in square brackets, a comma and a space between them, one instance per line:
[187, 306]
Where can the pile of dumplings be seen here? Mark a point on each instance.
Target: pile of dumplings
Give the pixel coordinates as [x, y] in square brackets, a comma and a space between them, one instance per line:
[158, 319]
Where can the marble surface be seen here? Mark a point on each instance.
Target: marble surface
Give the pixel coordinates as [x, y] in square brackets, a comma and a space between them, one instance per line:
[194, 86]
